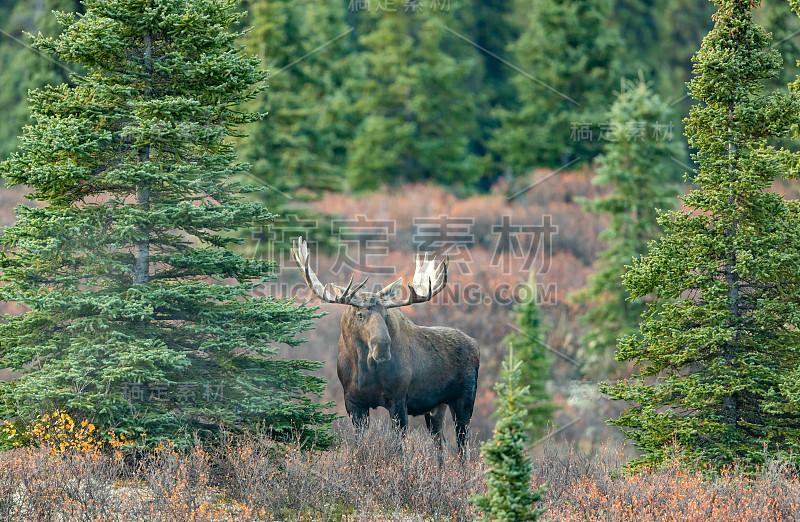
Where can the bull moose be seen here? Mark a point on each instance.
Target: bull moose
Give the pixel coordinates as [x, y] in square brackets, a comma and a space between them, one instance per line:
[386, 360]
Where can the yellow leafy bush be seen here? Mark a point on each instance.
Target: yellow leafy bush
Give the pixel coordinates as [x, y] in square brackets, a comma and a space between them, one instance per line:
[59, 432]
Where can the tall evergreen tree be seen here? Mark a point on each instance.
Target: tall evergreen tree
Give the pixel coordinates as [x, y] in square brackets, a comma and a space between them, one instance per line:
[723, 336]
[21, 68]
[637, 165]
[571, 54]
[534, 368]
[784, 25]
[508, 467]
[296, 149]
[791, 387]
[494, 24]
[639, 18]
[416, 114]
[491, 26]
[129, 323]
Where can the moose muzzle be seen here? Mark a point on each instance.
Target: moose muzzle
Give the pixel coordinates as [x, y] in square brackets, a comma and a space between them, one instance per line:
[380, 350]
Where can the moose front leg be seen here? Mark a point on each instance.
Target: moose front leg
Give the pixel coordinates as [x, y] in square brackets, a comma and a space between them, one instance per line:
[399, 413]
[359, 415]
[462, 413]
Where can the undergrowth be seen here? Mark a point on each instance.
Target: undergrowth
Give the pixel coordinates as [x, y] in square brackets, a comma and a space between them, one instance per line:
[374, 476]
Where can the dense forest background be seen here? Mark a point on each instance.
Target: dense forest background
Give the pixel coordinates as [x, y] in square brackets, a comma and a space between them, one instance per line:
[445, 125]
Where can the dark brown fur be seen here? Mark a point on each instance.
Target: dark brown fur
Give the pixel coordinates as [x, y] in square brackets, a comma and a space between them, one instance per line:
[386, 360]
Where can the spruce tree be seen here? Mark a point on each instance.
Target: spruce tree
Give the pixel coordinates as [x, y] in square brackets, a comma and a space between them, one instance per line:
[572, 57]
[416, 115]
[639, 18]
[297, 149]
[534, 363]
[21, 68]
[637, 165]
[491, 25]
[132, 323]
[791, 387]
[508, 469]
[722, 338]
[494, 24]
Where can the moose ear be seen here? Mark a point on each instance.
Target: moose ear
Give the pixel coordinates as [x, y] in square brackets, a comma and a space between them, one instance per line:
[391, 291]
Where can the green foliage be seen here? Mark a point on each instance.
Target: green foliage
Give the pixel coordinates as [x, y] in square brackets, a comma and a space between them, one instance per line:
[534, 363]
[640, 20]
[294, 149]
[494, 24]
[415, 116]
[331, 106]
[636, 165]
[490, 25]
[122, 269]
[720, 345]
[573, 55]
[682, 23]
[508, 468]
[22, 68]
[297, 150]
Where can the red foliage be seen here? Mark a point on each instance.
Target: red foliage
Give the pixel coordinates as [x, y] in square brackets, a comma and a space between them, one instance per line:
[486, 277]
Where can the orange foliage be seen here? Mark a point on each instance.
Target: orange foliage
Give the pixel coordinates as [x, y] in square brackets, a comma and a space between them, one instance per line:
[486, 277]
[674, 493]
[376, 475]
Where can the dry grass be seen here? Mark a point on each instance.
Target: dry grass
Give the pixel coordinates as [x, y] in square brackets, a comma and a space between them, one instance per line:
[592, 489]
[375, 476]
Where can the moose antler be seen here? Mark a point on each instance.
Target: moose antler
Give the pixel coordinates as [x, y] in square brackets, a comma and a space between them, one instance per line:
[340, 295]
[429, 280]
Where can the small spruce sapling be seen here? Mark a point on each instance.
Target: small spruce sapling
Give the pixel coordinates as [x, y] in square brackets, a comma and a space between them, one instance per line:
[508, 468]
[534, 360]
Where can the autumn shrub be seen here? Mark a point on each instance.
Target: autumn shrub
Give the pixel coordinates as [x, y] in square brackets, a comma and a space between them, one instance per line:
[376, 472]
[60, 433]
[593, 489]
[38, 484]
[376, 475]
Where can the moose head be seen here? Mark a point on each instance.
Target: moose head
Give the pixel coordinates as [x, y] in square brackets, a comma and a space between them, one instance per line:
[368, 314]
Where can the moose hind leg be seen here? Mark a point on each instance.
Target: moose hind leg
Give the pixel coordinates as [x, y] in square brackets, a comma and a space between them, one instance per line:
[462, 413]
[434, 420]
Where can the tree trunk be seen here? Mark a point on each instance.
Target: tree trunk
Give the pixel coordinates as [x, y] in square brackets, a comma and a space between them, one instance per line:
[142, 266]
[730, 404]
